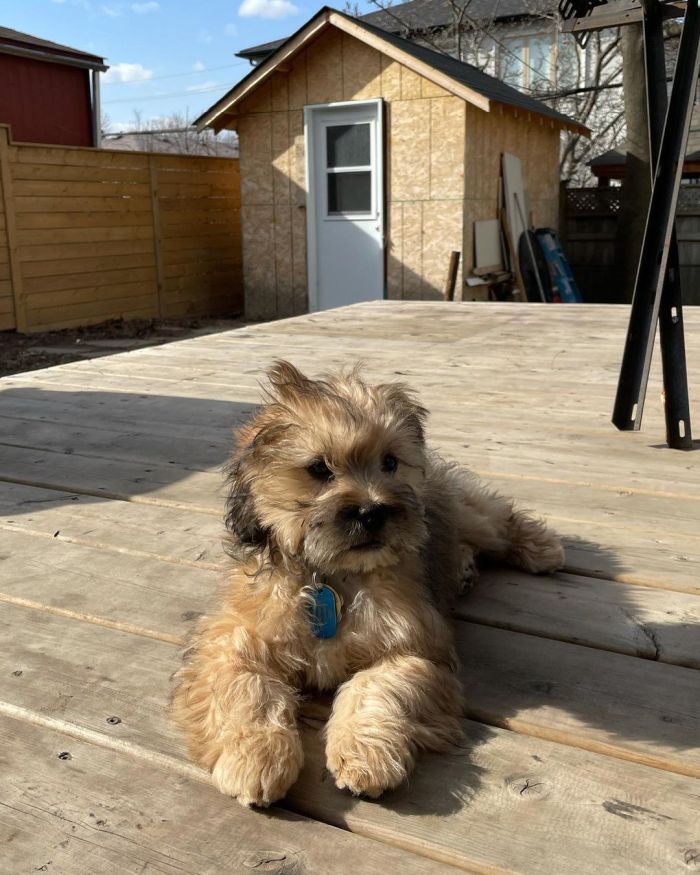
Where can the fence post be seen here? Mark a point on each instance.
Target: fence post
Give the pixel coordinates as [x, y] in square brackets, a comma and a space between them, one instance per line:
[11, 231]
[157, 232]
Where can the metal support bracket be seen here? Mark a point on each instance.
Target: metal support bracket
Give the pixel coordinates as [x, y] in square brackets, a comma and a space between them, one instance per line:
[657, 293]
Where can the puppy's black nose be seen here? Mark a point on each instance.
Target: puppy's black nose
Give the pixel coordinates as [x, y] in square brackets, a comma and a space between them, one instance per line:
[372, 517]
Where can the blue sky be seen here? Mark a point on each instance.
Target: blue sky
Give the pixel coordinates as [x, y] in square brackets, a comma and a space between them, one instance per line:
[167, 56]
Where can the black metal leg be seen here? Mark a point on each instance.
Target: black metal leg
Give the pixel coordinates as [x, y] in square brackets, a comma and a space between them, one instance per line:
[652, 283]
[671, 334]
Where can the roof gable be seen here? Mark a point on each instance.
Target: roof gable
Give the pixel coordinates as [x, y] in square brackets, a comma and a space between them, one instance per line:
[461, 79]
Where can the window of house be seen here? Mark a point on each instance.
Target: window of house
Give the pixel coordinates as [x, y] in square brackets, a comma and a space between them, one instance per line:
[568, 62]
[527, 61]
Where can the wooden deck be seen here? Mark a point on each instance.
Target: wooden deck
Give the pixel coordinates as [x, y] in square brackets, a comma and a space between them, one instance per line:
[583, 708]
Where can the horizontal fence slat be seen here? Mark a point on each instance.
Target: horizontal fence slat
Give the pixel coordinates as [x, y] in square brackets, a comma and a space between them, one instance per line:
[88, 225]
[57, 172]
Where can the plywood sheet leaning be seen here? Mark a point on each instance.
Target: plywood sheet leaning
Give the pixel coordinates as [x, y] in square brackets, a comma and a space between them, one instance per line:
[488, 252]
[514, 196]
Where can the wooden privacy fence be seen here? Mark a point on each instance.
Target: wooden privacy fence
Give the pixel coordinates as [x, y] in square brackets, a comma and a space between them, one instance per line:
[589, 233]
[89, 234]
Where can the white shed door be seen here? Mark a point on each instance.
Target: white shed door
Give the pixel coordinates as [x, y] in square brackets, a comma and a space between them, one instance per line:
[345, 204]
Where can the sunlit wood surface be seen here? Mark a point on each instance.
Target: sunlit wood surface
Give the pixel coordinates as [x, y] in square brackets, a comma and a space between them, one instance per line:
[582, 720]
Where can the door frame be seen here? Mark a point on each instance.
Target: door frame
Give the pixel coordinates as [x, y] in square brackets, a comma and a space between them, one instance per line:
[310, 162]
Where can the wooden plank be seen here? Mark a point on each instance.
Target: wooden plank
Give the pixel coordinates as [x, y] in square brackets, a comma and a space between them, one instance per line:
[607, 615]
[9, 210]
[129, 592]
[67, 172]
[86, 218]
[92, 279]
[103, 810]
[69, 189]
[65, 252]
[157, 234]
[118, 204]
[464, 808]
[78, 157]
[168, 534]
[96, 262]
[164, 485]
[41, 238]
[633, 709]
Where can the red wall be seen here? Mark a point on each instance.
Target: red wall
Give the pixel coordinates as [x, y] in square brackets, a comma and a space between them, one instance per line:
[45, 102]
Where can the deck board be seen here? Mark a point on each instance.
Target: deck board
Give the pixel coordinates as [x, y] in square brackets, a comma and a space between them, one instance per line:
[584, 683]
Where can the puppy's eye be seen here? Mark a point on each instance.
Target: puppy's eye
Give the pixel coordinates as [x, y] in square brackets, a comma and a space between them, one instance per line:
[320, 471]
[390, 463]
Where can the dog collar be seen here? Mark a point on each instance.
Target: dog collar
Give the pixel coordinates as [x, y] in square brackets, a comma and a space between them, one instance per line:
[325, 608]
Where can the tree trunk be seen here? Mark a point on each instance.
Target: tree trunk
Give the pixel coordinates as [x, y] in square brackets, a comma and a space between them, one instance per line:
[636, 187]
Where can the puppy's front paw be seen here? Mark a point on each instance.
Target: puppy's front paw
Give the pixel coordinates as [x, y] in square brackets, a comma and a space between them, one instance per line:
[258, 764]
[367, 764]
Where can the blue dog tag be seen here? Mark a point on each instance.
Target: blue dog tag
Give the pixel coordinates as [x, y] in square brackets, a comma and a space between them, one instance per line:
[323, 612]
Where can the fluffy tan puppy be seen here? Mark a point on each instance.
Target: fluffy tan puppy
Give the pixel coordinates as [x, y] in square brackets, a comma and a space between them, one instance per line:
[334, 494]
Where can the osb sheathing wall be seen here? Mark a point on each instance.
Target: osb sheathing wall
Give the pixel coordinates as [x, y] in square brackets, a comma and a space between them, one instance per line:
[428, 135]
[425, 160]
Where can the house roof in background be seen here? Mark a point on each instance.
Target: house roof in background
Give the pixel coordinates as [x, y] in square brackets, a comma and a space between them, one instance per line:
[15, 42]
[418, 15]
[612, 164]
[458, 77]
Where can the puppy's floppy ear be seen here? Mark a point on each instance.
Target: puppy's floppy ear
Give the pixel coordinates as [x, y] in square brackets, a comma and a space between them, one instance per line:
[401, 399]
[241, 516]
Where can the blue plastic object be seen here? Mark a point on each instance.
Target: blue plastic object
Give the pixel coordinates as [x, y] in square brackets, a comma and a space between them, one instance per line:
[562, 278]
[323, 612]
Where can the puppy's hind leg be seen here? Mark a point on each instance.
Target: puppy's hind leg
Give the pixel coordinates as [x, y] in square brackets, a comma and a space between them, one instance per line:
[491, 525]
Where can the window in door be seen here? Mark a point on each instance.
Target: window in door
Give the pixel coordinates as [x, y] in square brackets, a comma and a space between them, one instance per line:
[349, 170]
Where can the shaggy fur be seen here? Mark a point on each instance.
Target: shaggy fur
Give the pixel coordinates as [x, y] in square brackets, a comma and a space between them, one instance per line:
[333, 476]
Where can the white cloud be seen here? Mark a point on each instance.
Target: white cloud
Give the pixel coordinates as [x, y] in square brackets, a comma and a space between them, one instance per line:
[145, 8]
[205, 86]
[267, 9]
[230, 29]
[198, 66]
[127, 73]
[204, 36]
[114, 11]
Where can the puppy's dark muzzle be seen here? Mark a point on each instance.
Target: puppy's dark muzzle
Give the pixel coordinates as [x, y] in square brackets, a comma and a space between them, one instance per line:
[368, 518]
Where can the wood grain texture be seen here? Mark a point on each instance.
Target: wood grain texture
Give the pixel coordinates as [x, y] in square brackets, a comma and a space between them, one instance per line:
[70, 807]
[95, 200]
[583, 748]
[465, 808]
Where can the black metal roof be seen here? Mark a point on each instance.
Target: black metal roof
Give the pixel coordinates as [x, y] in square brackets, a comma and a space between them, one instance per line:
[14, 39]
[419, 15]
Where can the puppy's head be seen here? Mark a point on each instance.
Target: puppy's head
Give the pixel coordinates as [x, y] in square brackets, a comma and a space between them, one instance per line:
[330, 473]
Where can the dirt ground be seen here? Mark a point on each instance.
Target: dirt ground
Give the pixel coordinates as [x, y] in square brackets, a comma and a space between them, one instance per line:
[29, 352]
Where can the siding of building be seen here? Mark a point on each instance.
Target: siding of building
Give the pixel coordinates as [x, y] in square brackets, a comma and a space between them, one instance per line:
[431, 136]
[45, 102]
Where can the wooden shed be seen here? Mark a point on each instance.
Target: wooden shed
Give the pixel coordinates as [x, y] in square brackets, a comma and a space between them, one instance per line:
[50, 92]
[365, 161]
